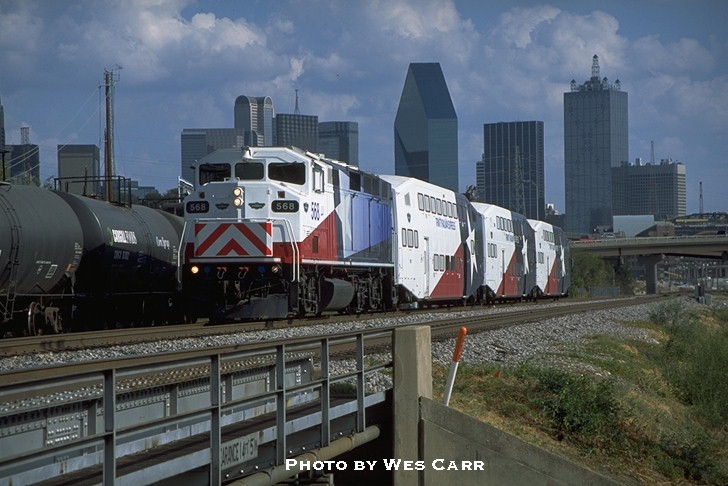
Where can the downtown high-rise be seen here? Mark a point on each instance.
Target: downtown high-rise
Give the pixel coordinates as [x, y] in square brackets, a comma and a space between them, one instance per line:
[511, 172]
[254, 115]
[595, 141]
[426, 128]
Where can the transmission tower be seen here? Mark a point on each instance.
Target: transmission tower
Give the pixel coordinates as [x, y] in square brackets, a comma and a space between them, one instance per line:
[519, 199]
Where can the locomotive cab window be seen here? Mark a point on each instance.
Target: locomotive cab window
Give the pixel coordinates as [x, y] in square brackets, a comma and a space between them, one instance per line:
[295, 173]
[249, 171]
[213, 173]
[318, 179]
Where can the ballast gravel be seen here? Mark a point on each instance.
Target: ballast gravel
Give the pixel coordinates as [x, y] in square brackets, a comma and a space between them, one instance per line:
[509, 346]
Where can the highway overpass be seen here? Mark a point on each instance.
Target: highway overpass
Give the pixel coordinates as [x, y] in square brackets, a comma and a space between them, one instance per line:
[653, 249]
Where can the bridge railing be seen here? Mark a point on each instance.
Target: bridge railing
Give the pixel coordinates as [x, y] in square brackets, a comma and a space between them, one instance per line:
[232, 411]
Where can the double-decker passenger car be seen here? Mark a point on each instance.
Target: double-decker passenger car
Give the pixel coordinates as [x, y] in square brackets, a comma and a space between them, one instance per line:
[433, 242]
[506, 246]
[552, 260]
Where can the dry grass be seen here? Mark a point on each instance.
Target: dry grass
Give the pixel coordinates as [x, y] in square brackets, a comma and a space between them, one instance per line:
[658, 437]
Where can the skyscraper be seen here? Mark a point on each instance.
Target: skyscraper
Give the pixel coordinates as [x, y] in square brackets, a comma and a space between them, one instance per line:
[595, 140]
[426, 128]
[655, 189]
[198, 142]
[296, 130]
[511, 173]
[340, 141]
[255, 117]
[79, 169]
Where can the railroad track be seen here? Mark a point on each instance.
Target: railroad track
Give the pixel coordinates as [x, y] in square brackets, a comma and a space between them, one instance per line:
[444, 322]
[343, 344]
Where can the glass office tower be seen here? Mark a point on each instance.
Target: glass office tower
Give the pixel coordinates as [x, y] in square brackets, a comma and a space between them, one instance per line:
[655, 189]
[292, 130]
[426, 128]
[511, 172]
[340, 140]
[595, 140]
[254, 115]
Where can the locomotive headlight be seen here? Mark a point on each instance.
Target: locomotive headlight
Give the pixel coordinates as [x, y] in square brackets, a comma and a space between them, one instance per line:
[194, 269]
[238, 193]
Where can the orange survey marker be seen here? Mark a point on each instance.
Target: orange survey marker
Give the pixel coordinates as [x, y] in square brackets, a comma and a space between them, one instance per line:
[456, 355]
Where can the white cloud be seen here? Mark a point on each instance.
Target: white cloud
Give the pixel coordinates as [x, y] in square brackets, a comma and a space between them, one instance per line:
[686, 56]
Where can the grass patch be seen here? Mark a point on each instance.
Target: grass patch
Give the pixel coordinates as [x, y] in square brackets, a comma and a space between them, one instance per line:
[654, 412]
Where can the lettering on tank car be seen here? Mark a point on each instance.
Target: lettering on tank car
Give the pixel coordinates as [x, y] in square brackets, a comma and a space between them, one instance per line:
[123, 236]
[162, 242]
[121, 255]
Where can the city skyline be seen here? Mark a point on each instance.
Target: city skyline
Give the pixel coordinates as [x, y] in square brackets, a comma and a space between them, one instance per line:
[183, 64]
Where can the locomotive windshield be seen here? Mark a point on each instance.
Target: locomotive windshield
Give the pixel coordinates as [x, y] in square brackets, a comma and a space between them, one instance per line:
[294, 173]
[214, 172]
[285, 172]
[250, 171]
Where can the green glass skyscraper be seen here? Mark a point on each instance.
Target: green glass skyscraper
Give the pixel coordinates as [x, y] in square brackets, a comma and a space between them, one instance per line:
[426, 128]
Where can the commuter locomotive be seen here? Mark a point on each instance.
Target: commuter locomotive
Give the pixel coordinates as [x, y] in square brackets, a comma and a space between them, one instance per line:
[272, 232]
[69, 261]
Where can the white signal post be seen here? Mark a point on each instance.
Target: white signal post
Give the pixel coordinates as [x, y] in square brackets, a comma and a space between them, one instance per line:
[456, 355]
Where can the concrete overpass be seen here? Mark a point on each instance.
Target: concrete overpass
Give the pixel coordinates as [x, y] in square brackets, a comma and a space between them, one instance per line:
[653, 249]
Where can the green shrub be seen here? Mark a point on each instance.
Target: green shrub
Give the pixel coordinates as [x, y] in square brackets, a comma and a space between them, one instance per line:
[695, 361]
[576, 406]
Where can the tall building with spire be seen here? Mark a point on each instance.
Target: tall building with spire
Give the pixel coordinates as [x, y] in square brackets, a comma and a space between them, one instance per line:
[595, 140]
[426, 128]
[254, 115]
[296, 130]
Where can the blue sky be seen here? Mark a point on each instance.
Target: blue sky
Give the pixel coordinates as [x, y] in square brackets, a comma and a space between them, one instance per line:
[183, 63]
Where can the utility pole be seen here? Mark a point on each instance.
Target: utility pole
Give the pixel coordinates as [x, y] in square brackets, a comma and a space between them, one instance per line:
[109, 134]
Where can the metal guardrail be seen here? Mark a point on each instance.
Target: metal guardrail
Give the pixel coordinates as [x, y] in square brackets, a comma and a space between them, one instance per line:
[233, 414]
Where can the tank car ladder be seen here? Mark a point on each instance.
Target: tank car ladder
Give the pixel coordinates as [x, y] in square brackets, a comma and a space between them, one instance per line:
[12, 268]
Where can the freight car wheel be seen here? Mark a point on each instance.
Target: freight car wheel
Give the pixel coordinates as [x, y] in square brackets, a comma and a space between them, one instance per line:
[35, 318]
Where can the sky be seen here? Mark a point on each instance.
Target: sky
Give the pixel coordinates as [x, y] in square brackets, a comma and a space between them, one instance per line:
[182, 63]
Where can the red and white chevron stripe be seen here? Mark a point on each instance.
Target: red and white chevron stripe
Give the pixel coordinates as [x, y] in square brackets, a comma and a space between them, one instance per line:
[233, 239]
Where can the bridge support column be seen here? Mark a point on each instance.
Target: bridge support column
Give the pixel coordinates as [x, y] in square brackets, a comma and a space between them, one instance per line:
[650, 262]
[412, 358]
